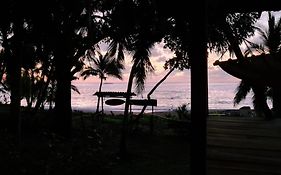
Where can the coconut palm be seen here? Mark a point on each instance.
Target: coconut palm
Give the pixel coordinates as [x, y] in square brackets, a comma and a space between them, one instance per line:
[259, 98]
[270, 36]
[271, 42]
[102, 66]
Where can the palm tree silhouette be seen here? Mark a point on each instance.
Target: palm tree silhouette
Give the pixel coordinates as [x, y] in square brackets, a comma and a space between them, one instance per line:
[102, 66]
[271, 42]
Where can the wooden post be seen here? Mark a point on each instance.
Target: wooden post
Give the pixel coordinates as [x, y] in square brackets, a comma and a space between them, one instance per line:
[199, 90]
[151, 121]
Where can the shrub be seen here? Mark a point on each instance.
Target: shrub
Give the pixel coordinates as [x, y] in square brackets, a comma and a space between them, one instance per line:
[182, 112]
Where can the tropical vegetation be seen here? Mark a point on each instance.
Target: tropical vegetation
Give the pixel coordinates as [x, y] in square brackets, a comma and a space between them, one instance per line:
[102, 66]
[271, 42]
[44, 45]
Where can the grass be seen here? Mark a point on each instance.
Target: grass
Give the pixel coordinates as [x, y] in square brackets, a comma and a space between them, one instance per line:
[94, 149]
[236, 145]
[156, 155]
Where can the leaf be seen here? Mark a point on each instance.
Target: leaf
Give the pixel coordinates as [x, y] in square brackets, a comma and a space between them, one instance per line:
[75, 89]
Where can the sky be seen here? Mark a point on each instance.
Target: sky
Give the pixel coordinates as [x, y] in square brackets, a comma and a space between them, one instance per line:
[159, 55]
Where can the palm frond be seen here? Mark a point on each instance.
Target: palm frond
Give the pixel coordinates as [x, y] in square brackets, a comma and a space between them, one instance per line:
[114, 70]
[260, 48]
[143, 66]
[263, 33]
[99, 54]
[271, 36]
[140, 77]
[90, 55]
[104, 65]
[75, 89]
[241, 92]
[119, 60]
[2, 90]
[112, 48]
[89, 71]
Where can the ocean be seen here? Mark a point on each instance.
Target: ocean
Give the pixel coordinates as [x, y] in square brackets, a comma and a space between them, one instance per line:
[169, 96]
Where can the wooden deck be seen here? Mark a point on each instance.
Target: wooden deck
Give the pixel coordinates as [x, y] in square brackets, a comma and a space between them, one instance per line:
[244, 147]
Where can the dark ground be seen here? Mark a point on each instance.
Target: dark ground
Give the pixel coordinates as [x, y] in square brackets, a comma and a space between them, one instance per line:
[244, 146]
[93, 149]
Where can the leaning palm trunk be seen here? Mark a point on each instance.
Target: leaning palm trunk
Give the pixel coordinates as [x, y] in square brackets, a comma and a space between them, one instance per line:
[123, 142]
[153, 89]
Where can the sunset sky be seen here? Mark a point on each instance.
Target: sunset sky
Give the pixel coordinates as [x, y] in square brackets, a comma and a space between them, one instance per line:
[160, 55]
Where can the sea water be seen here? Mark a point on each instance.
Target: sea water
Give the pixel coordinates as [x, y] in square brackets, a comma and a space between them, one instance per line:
[169, 96]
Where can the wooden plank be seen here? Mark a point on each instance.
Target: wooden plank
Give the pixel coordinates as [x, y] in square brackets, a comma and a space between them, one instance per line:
[143, 102]
[244, 147]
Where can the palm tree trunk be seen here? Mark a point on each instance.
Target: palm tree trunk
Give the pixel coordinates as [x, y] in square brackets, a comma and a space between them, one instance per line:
[15, 73]
[42, 93]
[153, 89]
[63, 105]
[15, 94]
[63, 111]
[29, 98]
[98, 104]
[260, 102]
[124, 133]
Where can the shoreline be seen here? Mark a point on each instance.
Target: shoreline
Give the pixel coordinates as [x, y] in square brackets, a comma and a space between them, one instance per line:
[212, 112]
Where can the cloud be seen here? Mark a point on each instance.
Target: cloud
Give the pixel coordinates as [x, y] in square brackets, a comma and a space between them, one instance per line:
[156, 51]
[217, 75]
[159, 50]
[161, 58]
[179, 74]
[159, 55]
